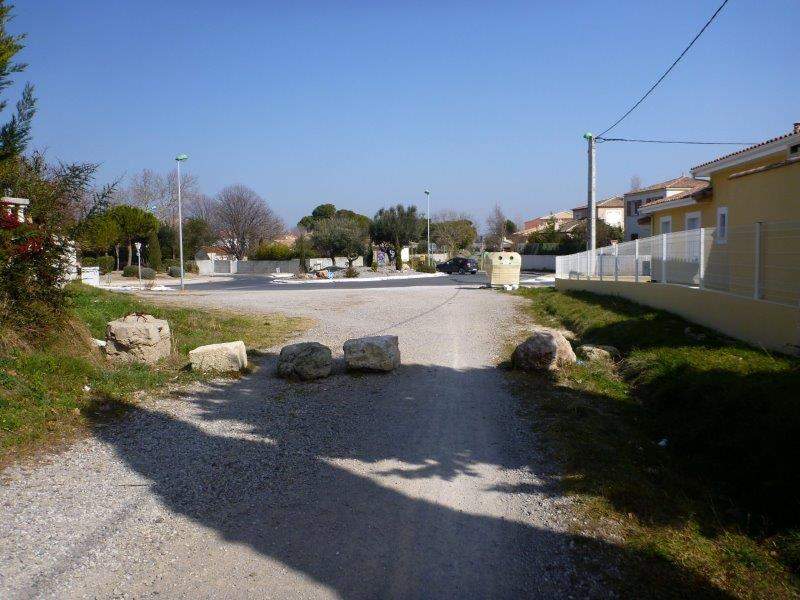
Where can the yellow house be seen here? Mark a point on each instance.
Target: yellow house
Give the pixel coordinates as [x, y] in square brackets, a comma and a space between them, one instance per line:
[759, 183]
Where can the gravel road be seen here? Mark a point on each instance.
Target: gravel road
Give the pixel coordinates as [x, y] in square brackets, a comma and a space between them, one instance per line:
[422, 483]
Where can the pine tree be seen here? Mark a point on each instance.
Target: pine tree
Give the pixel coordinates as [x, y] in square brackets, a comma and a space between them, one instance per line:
[16, 133]
[154, 251]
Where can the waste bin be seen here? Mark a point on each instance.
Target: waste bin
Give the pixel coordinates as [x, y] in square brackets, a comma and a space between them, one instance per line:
[503, 268]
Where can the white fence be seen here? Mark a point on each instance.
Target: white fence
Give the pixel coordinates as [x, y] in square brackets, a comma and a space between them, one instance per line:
[760, 261]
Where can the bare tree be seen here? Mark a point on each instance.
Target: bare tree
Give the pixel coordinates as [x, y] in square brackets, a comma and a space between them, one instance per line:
[147, 190]
[636, 183]
[189, 191]
[244, 220]
[496, 226]
[157, 193]
[199, 206]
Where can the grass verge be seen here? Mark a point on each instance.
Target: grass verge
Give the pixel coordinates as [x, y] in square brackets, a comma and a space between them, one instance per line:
[47, 389]
[712, 510]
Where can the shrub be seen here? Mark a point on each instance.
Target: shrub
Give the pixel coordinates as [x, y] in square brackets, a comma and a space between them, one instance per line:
[133, 271]
[273, 251]
[351, 272]
[423, 266]
[174, 271]
[190, 266]
[106, 263]
[88, 261]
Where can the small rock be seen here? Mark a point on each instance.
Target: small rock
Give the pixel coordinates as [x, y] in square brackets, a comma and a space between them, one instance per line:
[663, 443]
[306, 361]
[225, 357]
[376, 353]
[591, 352]
[99, 343]
[546, 349]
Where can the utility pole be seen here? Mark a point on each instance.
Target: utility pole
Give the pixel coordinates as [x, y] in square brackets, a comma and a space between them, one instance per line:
[179, 159]
[428, 215]
[592, 202]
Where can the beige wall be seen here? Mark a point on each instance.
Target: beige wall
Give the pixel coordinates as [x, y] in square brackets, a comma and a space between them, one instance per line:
[774, 326]
[772, 195]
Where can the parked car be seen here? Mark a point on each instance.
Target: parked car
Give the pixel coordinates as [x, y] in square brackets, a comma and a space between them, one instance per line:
[459, 265]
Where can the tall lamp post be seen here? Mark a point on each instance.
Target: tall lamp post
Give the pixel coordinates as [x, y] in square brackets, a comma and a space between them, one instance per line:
[428, 215]
[179, 159]
[139, 260]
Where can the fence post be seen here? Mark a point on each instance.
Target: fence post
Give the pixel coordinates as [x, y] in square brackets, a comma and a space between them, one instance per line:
[636, 260]
[600, 268]
[663, 258]
[757, 274]
[702, 274]
[616, 262]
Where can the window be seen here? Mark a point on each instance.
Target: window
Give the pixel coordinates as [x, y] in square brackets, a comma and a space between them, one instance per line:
[722, 225]
[666, 224]
[692, 221]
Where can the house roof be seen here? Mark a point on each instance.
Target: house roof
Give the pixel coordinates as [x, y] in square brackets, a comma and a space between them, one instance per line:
[750, 148]
[610, 202]
[698, 193]
[681, 182]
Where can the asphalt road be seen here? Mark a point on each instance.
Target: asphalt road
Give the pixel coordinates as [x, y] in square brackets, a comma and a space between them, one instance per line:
[422, 483]
[262, 282]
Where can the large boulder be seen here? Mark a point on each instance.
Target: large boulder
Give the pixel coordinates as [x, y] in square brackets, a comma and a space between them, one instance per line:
[376, 353]
[138, 338]
[306, 361]
[224, 358]
[545, 350]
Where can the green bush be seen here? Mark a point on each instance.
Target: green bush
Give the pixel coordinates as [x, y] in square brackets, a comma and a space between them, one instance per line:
[133, 271]
[351, 272]
[423, 266]
[273, 251]
[190, 266]
[88, 261]
[174, 271]
[106, 264]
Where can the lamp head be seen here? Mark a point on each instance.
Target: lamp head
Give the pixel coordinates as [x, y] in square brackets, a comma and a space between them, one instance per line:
[182, 157]
[588, 135]
[427, 192]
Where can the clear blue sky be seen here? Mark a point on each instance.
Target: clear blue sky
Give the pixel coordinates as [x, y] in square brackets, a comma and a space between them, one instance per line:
[364, 104]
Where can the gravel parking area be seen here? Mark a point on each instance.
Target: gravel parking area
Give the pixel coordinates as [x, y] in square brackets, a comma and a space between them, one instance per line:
[421, 483]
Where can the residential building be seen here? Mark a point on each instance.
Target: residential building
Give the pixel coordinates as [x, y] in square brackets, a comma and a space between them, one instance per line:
[635, 199]
[611, 210]
[538, 223]
[759, 183]
[213, 253]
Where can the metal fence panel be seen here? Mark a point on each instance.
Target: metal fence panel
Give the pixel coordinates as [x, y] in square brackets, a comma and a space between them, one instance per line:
[760, 261]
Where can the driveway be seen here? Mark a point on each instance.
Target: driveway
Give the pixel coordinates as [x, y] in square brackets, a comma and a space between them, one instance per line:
[422, 483]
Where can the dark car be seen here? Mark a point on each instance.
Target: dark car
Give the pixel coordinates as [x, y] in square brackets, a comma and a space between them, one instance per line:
[458, 265]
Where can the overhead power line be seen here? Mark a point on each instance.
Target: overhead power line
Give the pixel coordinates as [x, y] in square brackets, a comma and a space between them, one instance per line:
[693, 142]
[672, 66]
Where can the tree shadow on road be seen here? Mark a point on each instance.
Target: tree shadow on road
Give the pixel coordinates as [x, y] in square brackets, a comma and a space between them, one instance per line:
[341, 481]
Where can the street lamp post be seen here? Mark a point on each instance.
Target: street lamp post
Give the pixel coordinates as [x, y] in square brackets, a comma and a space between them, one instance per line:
[179, 159]
[139, 260]
[428, 215]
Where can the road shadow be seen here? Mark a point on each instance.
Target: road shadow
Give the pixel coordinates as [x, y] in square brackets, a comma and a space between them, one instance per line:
[341, 480]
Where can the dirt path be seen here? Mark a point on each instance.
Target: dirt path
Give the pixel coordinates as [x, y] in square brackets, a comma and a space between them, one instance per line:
[423, 483]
